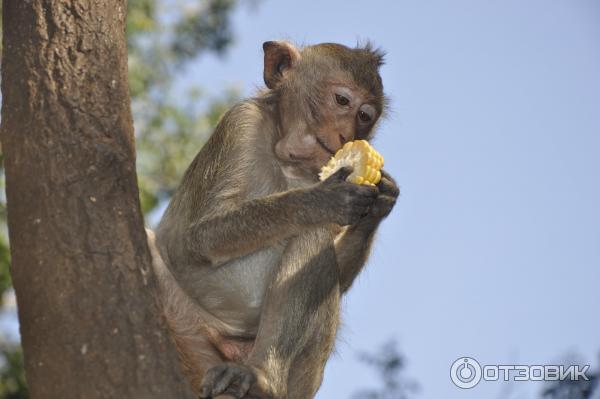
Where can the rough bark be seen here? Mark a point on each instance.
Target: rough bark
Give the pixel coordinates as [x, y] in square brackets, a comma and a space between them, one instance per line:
[90, 323]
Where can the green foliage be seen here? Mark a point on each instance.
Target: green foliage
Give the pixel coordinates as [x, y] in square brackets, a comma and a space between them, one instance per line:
[12, 373]
[5, 280]
[162, 36]
[205, 27]
[171, 138]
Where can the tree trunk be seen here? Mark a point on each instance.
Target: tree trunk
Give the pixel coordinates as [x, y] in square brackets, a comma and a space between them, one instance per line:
[90, 323]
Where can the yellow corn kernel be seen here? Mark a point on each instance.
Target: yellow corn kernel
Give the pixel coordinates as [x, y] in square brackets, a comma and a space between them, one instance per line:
[365, 161]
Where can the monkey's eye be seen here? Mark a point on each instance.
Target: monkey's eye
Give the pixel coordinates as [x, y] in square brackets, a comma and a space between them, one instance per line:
[341, 99]
[364, 116]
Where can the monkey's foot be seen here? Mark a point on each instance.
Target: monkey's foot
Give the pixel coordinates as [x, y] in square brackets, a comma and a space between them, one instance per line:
[229, 379]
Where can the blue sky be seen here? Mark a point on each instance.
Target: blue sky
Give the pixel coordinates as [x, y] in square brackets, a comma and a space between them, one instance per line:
[493, 250]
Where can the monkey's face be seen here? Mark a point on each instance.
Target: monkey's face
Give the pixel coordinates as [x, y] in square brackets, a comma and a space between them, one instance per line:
[327, 95]
[312, 134]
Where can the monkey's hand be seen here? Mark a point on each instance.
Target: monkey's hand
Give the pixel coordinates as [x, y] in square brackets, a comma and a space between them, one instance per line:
[342, 202]
[385, 201]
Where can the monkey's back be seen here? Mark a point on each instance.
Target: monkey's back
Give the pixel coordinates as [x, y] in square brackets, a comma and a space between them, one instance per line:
[232, 291]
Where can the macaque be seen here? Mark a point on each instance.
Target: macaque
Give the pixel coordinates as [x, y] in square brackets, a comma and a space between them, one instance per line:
[254, 252]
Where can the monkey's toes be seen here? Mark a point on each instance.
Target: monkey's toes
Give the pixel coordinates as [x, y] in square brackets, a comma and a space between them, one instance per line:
[230, 379]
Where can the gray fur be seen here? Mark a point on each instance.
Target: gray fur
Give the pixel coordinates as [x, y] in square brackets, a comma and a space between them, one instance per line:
[251, 255]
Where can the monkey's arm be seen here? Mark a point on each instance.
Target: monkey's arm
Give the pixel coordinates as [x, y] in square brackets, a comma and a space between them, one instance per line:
[261, 222]
[249, 226]
[353, 245]
[352, 250]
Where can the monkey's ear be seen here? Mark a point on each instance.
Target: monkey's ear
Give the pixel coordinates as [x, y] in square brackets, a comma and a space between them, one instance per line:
[279, 56]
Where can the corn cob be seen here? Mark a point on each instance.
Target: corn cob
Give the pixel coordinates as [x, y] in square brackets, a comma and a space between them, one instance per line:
[359, 154]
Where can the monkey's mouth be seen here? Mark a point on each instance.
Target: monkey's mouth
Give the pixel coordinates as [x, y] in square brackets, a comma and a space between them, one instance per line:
[322, 144]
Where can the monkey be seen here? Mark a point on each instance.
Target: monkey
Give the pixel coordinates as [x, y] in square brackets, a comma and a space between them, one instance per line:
[254, 252]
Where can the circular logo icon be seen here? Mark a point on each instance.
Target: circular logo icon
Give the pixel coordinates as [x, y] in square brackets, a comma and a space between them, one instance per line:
[465, 372]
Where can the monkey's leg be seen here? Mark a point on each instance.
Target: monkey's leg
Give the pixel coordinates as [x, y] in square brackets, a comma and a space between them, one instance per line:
[298, 323]
[186, 323]
[306, 372]
[196, 355]
[300, 317]
[197, 335]
[199, 344]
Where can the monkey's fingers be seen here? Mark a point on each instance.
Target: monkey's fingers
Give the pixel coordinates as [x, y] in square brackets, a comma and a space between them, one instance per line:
[382, 207]
[365, 194]
[227, 380]
[387, 185]
[385, 174]
[340, 175]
